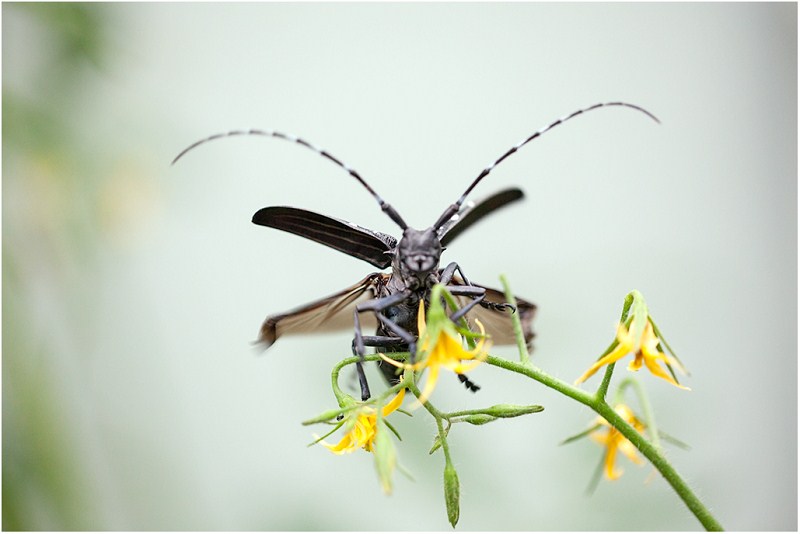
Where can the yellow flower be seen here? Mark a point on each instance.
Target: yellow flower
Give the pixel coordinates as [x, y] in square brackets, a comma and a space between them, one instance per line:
[441, 346]
[362, 423]
[645, 350]
[613, 441]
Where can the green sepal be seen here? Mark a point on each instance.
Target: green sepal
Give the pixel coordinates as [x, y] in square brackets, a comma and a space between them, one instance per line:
[581, 434]
[675, 441]
[385, 456]
[326, 416]
[393, 429]
[437, 444]
[337, 427]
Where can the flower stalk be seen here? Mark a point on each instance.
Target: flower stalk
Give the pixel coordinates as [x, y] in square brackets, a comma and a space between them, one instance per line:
[597, 403]
[440, 347]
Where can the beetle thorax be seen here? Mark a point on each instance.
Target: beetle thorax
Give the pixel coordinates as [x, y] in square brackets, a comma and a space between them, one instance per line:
[417, 257]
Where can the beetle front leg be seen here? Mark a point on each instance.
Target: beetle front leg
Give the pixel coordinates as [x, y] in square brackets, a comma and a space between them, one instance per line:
[448, 273]
[467, 289]
[477, 293]
[359, 347]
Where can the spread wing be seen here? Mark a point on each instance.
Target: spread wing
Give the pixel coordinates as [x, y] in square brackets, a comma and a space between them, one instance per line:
[498, 323]
[473, 212]
[368, 245]
[334, 312]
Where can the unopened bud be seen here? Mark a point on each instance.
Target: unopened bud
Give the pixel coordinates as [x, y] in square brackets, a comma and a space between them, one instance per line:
[452, 493]
[479, 419]
[511, 410]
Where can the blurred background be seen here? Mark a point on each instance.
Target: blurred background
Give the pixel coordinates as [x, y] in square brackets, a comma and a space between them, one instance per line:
[132, 290]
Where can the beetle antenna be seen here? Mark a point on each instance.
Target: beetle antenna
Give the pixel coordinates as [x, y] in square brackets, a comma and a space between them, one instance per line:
[385, 206]
[453, 208]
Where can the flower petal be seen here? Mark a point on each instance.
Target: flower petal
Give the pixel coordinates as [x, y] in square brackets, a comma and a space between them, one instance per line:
[626, 344]
[652, 365]
[612, 473]
[394, 403]
[421, 327]
[344, 446]
[630, 451]
[637, 362]
[430, 384]
[464, 368]
[618, 352]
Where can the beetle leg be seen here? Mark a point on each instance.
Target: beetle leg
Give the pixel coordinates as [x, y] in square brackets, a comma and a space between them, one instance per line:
[448, 272]
[359, 346]
[469, 384]
[382, 341]
[447, 276]
[407, 337]
[362, 381]
[477, 294]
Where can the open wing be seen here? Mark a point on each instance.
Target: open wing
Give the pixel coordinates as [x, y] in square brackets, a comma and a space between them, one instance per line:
[368, 245]
[472, 212]
[334, 312]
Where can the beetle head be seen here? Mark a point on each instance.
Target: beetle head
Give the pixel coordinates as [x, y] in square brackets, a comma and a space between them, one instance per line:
[418, 254]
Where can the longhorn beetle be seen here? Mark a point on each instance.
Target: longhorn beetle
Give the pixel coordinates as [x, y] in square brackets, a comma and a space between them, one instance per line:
[393, 298]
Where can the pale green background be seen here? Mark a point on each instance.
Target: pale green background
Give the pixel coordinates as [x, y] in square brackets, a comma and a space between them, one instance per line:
[132, 398]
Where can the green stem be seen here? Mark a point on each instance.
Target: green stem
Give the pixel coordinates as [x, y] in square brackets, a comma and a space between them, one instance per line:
[443, 440]
[524, 355]
[337, 391]
[640, 442]
[647, 409]
[602, 391]
[653, 454]
[597, 403]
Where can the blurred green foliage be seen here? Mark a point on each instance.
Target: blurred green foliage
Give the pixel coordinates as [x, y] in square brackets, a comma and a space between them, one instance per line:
[44, 167]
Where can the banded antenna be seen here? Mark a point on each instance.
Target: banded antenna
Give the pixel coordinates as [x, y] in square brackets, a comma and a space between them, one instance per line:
[385, 206]
[454, 208]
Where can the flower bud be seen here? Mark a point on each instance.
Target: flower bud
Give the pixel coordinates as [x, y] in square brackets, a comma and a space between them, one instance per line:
[512, 410]
[479, 419]
[451, 493]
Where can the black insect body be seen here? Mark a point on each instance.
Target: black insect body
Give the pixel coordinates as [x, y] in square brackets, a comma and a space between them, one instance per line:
[392, 297]
[388, 302]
